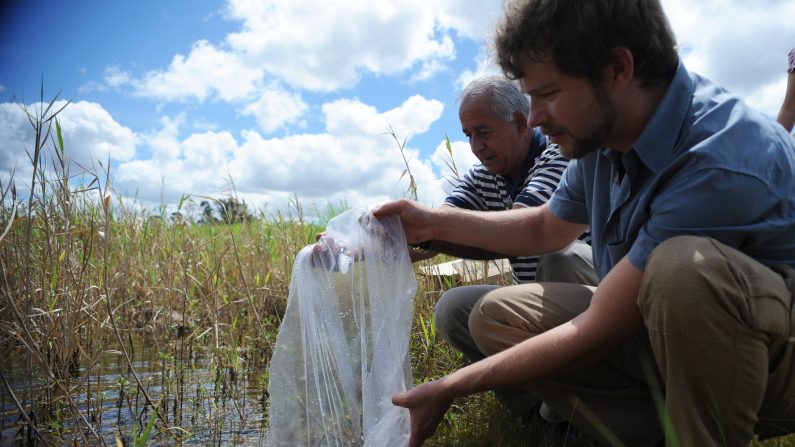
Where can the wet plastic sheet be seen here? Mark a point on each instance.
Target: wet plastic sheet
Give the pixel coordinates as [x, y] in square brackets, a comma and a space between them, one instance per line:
[343, 346]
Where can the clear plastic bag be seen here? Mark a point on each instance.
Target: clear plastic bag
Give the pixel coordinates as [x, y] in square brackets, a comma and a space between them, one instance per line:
[343, 346]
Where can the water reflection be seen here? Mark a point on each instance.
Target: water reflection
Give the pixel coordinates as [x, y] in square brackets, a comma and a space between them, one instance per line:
[204, 397]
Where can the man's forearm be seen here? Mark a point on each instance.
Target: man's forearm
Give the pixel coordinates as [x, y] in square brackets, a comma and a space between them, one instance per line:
[536, 230]
[463, 251]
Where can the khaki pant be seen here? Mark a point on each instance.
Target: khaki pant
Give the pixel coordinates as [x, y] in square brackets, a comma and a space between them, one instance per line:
[719, 351]
[573, 264]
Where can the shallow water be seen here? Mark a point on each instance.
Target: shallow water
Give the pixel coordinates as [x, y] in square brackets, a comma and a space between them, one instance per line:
[203, 404]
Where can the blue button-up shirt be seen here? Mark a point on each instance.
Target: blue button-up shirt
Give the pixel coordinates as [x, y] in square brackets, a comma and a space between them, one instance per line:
[705, 164]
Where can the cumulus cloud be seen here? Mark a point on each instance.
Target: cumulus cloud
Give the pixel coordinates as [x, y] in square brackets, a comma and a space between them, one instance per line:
[348, 117]
[315, 45]
[194, 165]
[460, 156]
[429, 69]
[484, 66]
[325, 45]
[740, 44]
[284, 48]
[92, 86]
[473, 19]
[206, 70]
[353, 161]
[354, 154]
[89, 133]
[93, 134]
[116, 77]
[453, 163]
[276, 108]
[16, 136]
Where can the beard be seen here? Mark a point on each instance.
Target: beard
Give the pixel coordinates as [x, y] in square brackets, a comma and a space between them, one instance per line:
[603, 118]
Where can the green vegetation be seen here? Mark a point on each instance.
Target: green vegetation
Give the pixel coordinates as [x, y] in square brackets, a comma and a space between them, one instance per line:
[119, 326]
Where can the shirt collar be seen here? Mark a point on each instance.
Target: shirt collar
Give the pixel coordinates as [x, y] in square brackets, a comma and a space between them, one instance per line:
[656, 144]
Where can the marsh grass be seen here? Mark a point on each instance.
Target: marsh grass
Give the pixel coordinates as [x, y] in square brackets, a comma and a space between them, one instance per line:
[120, 326]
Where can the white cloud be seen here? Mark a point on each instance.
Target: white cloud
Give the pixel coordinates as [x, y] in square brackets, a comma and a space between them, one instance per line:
[204, 124]
[346, 117]
[92, 86]
[354, 161]
[768, 97]
[195, 165]
[428, 70]
[205, 71]
[276, 108]
[484, 66]
[16, 137]
[116, 77]
[314, 45]
[89, 133]
[462, 157]
[326, 45]
[163, 143]
[474, 19]
[740, 44]
[209, 149]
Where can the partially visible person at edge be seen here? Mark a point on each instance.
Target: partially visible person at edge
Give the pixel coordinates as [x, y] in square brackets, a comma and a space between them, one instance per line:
[517, 169]
[690, 199]
[786, 115]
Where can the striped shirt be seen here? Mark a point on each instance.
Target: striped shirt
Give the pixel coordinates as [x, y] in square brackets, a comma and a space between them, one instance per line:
[481, 190]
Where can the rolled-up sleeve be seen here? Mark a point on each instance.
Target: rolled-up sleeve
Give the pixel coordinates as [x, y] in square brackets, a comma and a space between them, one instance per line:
[568, 201]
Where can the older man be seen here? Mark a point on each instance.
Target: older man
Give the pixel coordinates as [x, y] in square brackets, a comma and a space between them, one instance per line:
[517, 169]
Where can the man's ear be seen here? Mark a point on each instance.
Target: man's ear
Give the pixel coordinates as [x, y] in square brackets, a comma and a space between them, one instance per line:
[620, 72]
[520, 120]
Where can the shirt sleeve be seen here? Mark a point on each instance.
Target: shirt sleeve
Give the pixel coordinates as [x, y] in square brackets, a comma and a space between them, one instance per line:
[545, 177]
[465, 194]
[733, 207]
[568, 200]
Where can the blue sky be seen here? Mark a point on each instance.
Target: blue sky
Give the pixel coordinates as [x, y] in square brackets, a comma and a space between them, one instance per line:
[292, 99]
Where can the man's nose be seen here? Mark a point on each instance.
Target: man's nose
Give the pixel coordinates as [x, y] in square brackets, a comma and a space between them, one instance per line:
[476, 144]
[539, 115]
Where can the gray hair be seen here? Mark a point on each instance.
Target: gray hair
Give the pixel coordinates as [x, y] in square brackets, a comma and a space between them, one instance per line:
[506, 98]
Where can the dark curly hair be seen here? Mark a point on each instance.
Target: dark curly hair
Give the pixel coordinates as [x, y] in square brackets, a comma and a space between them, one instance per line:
[579, 36]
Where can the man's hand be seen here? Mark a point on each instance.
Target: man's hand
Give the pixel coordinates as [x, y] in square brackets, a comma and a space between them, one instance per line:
[325, 252]
[427, 404]
[417, 220]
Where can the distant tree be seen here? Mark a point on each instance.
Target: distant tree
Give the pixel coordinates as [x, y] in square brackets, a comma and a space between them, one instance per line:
[226, 210]
[233, 210]
[207, 215]
[177, 218]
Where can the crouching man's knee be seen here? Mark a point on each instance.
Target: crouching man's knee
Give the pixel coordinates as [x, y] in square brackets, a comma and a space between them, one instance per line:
[686, 278]
[573, 264]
